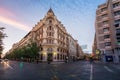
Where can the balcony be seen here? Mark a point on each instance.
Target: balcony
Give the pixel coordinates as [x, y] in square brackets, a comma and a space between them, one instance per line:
[104, 12]
[116, 8]
[117, 17]
[108, 47]
[105, 25]
[105, 18]
[107, 40]
[114, 1]
[106, 32]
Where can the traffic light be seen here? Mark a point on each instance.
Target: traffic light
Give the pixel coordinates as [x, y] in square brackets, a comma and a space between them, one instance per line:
[97, 51]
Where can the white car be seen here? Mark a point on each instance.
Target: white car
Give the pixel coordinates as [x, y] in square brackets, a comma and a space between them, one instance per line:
[5, 60]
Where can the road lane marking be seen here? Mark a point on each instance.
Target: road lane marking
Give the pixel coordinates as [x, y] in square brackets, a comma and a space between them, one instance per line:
[73, 75]
[108, 69]
[8, 65]
[91, 72]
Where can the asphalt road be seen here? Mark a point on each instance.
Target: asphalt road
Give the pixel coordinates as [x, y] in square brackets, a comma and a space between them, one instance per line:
[81, 70]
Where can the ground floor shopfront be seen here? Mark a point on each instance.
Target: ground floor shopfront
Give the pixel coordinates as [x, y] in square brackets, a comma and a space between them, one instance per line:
[111, 58]
[55, 53]
[53, 56]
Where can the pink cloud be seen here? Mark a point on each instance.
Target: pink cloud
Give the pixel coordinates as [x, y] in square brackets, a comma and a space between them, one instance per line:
[7, 17]
[14, 23]
[6, 12]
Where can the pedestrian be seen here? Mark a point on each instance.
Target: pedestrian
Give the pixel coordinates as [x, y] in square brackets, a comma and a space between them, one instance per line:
[66, 59]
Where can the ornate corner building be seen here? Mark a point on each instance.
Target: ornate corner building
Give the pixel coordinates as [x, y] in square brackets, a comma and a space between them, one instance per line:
[54, 39]
[107, 28]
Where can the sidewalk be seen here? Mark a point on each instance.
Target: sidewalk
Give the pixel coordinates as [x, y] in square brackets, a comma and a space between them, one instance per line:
[57, 62]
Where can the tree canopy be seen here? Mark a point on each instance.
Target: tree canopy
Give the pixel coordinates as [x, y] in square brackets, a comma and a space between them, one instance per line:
[2, 36]
[29, 51]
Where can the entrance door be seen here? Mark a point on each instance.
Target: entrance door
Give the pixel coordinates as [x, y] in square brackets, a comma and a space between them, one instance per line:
[50, 57]
[41, 56]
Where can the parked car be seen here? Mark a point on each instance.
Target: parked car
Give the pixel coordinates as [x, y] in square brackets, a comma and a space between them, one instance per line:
[6, 60]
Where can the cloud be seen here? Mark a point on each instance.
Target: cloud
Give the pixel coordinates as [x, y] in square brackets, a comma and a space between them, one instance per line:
[14, 23]
[6, 12]
[7, 16]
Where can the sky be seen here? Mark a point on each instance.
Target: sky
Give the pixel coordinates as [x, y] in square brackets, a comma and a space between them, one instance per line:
[20, 16]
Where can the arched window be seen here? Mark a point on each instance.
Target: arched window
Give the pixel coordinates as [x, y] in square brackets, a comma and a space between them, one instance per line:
[50, 31]
[50, 28]
[50, 41]
[49, 49]
[50, 21]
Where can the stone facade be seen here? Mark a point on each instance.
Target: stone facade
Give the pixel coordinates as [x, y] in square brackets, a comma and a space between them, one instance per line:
[53, 37]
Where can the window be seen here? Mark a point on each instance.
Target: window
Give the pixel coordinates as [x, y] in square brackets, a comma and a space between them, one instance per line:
[50, 21]
[49, 49]
[61, 56]
[116, 25]
[58, 49]
[50, 28]
[103, 9]
[105, 22]
[116, 4]
[108, 51]
[118, 31]
[105, 29]
[50, 31]
[50, 41]
[50, 34]
[108, 44]
[118, 40]
[58, 56]
[117, 13]
[104, 15]
[117, 21]
[106, 36]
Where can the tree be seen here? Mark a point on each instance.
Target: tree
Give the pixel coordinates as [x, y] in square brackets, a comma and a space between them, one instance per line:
[2, 36]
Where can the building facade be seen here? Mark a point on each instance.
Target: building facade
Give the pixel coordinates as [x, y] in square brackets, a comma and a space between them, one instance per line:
[52, 36]
[107, 27]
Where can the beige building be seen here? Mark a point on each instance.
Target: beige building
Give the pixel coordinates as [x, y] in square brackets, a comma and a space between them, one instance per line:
[53, 37]
[107, 28]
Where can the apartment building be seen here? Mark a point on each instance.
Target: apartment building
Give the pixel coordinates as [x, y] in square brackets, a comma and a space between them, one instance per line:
[107, 30]
[53, 37]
